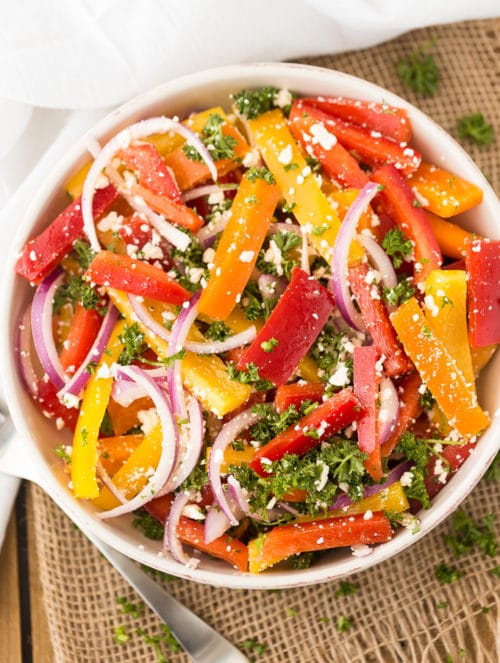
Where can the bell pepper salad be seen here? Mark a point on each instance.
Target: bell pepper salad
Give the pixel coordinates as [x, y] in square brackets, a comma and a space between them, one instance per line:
[254, 325]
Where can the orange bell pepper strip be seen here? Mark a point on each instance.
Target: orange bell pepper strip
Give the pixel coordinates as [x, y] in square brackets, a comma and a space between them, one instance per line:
[366, 388]
[303, 194]
[442, 192]
[409, 410]
[242, 238]
[135, 472]
[390, 121]
[446, 313]
[482, 261]
[452, 239]
[136, 277]
[438, 370]
[189, 174]
[192, 533]
[125, 418]
[93, 407]
[294, 538]
[377, 321]
[83, 330]
[172, 210]
[115, 451]
[329, 418]
[398, 201]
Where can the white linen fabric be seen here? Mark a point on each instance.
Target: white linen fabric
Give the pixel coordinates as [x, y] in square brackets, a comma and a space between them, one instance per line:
[65, 64]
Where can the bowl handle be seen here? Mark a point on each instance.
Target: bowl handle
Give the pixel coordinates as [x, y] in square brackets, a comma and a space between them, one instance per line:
[16, 459]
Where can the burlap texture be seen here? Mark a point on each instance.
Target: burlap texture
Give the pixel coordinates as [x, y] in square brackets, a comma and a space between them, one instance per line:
[398, 613]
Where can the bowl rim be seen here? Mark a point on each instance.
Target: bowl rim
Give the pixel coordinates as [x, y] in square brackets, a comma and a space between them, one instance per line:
[245, 75]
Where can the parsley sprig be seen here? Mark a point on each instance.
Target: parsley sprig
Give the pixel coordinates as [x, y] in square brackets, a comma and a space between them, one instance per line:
[419, 71]
[466, 534]
[476, 128]
[397, 246]
[252, 103]
[219, 144]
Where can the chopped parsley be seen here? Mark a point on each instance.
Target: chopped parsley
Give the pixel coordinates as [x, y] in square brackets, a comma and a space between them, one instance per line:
[133, 339]
[136, 610]
[165, 637]
[218, 331]
[302, 560]
[397, 246]
[344, 623]
[121, 636]
[190, 259]
[417, 450]
[447, 574]
[268, 346]
[84, 253]
[346, 589]
[252, 103]
[493, 471]
[328, 350]
[419, 72]
[253, 646]
[400, 293]
[219, 144]
[427, 400]
[171, 359]
[253, 174]
[272, 422]
[282, 243]
[60, 452]
[197, 479]
[76, 289]
[466, 534]
[150, 527]
[248, 376]
[476, 128]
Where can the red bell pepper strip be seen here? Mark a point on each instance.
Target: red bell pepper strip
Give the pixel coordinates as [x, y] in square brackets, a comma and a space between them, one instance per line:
[452, 456]
[152, 172]
[136, 277]
[377, 321]
[137, 232]
[336, 161]
[327, 419]
[191, 532]
[42, 253]
[375, 150]
[85, 325]
[46, 397]
[286, 540]
[291, 328]
[366, 388]
[400, 203]
[390, 121]
[173, 211]
[409, 410]
[298, 392]
[482, 261]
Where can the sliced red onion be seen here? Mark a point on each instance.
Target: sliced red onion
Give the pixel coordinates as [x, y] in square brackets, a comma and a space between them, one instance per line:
[238, 494]
[380, 260]
[198, 347]
[121, 141]
[180, 330]
[271, 287]
[78, 381]
[167, 230]
[227, 434]
[125, 392]
[23, 351]
[41, 325]
[190, 446]
[394, 475]
[283, 228]
[389, 408]
[169, 445]
[207, 190]
[108, 482]
[171, 540]
[206, 235]
[341, 256]
[216, 522]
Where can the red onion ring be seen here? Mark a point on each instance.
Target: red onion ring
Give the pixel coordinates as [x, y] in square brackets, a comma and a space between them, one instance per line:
[171, 540]
[216, 522]
[122, 140]
[41, 325]
[389, 408]
[227, 434]
[169, 446]
[23, 352]
[206, 235]
[394, 475]
[341, 256]
[380, 260]
[207, 190]
[271, 287]
[80, 378]
[108, 482]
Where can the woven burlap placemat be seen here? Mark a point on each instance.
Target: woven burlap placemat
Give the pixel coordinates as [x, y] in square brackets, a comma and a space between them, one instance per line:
[400, 611]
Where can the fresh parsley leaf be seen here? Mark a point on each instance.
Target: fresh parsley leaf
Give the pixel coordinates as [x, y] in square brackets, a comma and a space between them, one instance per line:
[303, 560]
[272, 422]
[493, 472]
[121, 636]
[218, 331]
[268, 346]
[197, 479]
[165, 637]
[346, 589]
[129, 608]
[150, 527]
[283, 242]
[76, 289]
[344, 623]
[419, 71]
[219, 144]
[254, 646]
[418, 451]
[476, 128]
[171, 359]
[84, 252]
[254, 173]
[397, 246]
[60, 452]
[403, 291]
[253, 103]
[133, 339]
[248, 376]
[466, 534]
[427, 400]
[447, 574]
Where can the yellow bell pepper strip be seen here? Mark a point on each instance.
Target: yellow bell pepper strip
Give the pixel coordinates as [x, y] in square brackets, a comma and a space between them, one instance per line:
[398, 200]
[442, 192]
[93, 406]
[233, 457]
[290, 330]
[74, 186]
[135, 472]
[446, 313]
[482, 261]
[452, 239]
[438, 370]
[303, 194]
[242, 238]
[205, 376]
[284, 541]
[481, 356]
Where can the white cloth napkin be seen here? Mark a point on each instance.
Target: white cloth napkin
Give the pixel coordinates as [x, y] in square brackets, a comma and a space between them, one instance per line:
[64, 64]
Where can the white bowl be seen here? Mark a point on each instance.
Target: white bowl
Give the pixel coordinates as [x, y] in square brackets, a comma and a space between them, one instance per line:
[32, 455]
